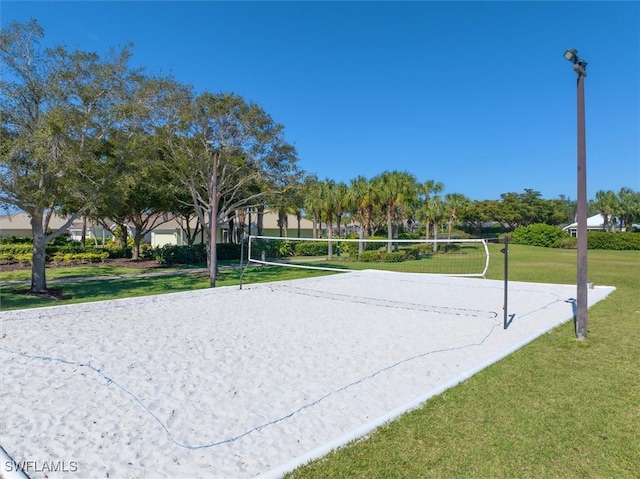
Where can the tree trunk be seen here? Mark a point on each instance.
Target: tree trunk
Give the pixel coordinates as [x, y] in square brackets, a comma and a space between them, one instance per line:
[83, 238]
[137, 239]
[282, 223]
[123, 237]
[232, 229]
[435, 236]
[39, 261]
[330, 236]
[260, 220]
[242, 217]
[389, 231]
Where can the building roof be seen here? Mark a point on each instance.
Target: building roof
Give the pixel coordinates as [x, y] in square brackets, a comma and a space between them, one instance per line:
[22, 221]
[593, 222]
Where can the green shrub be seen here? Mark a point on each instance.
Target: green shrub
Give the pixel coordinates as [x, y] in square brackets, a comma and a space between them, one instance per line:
[57, 258]
[81, 258]
[15, 240]
[393, 257]
[184, 254]
[371, 256]
[63, 248]
[146, 251]
[412, 252]
[312, 248]
[452, 248]
[118, 252]
[24, 258]
[566, 243]
[409, 236]
[285, 249]
[613, 241]
[381, 255]
[538, 234]
[346, 248]
[15, 248]
[63, 240]
[228, 251]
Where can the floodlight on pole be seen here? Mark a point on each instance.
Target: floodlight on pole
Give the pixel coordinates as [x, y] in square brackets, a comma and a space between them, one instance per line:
[580, 67]
[571, 54]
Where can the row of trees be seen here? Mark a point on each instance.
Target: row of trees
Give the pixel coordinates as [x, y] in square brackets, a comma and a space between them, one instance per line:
[396, 199]
[89, 136]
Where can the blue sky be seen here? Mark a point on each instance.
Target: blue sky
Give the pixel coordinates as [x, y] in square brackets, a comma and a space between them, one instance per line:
[476, 95]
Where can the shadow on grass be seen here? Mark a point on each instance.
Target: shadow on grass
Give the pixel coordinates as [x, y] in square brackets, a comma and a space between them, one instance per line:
[12, 297]
[18, 298]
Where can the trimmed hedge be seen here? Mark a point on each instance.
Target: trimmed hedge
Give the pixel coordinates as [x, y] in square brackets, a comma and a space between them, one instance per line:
[15, 240]
[552, 236]
[187, 254]
[613, 241]
[75, 258]
[22, 258]
[57, 258]
[312, 248]
[15, 248]
[228, 251]
[381, 256]
[194, 254]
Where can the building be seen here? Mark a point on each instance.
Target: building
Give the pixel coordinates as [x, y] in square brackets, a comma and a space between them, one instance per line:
[170, 231]
[594, 223]
[19, 224]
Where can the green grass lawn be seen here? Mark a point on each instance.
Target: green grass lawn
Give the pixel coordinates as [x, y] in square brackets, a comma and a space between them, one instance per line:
[557, 408]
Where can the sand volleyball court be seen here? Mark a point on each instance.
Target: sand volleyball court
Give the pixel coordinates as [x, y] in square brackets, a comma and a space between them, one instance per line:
[230, 383]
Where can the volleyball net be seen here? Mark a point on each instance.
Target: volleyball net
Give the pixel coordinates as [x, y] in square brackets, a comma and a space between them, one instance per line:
[451, 257]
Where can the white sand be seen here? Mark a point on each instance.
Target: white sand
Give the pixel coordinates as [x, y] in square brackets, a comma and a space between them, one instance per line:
[231, 383]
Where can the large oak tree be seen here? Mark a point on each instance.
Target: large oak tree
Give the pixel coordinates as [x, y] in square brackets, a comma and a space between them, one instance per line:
[54, 106]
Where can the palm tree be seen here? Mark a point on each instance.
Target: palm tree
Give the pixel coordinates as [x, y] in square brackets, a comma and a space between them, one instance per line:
[395, 188]
[429, 188]
[629, 201]
[607, 204]
[341, 203]
[312, 202]
[435, 212]
[454, 202]
[330, 201]
[360, 203]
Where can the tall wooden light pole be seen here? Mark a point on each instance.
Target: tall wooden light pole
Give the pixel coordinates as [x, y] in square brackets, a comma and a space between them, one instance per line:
[580, 67]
